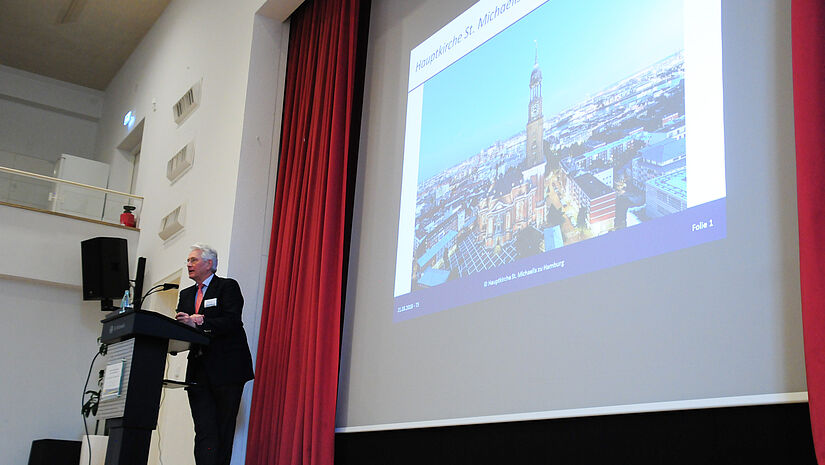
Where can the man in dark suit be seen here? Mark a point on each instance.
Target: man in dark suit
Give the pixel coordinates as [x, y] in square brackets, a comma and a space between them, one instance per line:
[217, 371]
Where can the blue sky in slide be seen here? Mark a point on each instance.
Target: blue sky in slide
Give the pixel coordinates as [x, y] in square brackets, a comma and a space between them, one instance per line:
[583, 47]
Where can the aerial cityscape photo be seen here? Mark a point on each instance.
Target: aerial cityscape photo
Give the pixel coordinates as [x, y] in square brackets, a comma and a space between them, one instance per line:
[573, 168]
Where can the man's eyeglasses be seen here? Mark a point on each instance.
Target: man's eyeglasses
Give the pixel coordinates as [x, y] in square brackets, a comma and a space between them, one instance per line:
[190, 261]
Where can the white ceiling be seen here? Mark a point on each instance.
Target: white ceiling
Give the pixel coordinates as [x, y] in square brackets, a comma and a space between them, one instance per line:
[84, 42]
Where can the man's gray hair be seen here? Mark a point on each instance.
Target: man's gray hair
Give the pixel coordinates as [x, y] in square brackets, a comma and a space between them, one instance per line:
[207, 253]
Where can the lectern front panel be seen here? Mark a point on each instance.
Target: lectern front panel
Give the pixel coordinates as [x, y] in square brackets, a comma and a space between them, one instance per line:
[114, 405]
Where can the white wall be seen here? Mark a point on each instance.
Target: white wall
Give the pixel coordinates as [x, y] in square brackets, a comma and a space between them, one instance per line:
[192, 40]
[50, 338]
[240, 58]
[228, 192]
[49, 333]
[42, 117]
[31, 250]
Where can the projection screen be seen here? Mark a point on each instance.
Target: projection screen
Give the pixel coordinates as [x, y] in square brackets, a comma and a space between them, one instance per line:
[572, 208]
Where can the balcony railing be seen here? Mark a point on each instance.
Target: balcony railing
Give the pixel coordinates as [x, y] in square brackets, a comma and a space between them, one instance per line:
[45, 193]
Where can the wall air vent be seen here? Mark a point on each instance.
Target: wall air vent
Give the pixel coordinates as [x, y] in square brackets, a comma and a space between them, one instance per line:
[181, 162]
[187, 104]
[172, 223]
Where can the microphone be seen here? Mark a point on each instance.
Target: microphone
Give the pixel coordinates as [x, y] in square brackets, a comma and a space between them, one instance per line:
[160, 288]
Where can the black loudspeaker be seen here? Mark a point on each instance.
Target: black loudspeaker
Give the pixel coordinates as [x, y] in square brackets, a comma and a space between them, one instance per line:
[105, 266]
[54, 452]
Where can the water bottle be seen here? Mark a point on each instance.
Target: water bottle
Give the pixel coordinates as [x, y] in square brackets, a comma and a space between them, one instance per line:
[124, 302]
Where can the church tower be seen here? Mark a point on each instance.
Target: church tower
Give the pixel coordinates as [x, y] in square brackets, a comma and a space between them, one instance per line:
[535, 118]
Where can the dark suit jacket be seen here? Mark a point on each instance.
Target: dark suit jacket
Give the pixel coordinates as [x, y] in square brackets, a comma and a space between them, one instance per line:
[226, 360]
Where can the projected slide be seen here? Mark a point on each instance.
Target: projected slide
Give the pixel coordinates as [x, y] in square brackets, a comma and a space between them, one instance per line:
[546, 139]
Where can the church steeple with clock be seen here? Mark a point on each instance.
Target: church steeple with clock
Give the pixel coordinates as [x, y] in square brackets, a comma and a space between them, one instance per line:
[535, 118]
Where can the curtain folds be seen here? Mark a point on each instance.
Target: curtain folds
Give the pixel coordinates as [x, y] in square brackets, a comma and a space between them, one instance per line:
[808, 26]
[292, 416]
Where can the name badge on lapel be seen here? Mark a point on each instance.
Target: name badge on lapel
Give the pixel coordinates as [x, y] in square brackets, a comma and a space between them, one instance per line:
[210, 303]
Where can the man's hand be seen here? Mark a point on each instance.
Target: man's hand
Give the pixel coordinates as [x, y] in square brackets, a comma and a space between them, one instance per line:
[189, 320]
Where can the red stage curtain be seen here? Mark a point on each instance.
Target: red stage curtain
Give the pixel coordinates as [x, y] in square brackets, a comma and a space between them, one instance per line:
[292, 417]
[808, 26]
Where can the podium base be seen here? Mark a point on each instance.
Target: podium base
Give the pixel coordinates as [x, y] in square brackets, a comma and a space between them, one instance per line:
[127, 445]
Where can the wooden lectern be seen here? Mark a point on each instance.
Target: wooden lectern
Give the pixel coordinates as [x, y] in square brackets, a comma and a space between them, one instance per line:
[130, 400]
